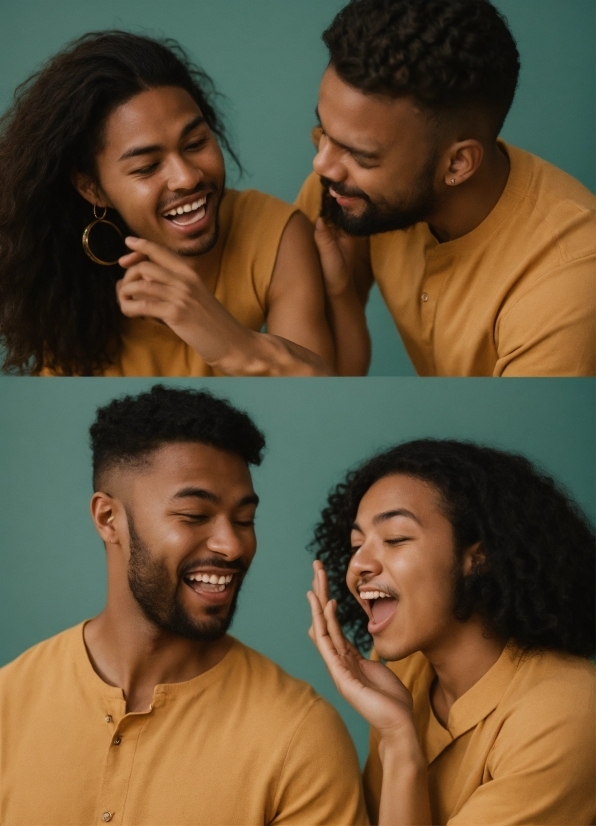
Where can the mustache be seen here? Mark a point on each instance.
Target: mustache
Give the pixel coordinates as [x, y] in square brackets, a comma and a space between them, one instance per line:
[214, 562]
[344, 190]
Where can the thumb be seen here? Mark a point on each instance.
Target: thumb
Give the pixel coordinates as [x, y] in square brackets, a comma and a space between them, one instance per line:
[332, 259]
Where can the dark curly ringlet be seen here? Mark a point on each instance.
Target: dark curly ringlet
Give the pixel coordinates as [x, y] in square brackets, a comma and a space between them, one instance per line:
[537, 584]
[58, 309]
[128, 430]
[447, 54]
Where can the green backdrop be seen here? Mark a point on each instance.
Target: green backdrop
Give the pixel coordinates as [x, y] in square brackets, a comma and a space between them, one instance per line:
[52, 562]
[267, 57]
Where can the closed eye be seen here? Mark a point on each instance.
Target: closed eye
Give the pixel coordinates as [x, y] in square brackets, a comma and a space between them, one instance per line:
[145, 170]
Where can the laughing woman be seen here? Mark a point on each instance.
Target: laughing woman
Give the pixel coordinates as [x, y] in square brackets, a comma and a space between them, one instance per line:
[474, 575]
[123, 253]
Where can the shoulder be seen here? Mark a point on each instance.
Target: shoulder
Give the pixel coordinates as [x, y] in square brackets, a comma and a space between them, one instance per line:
[556, 202]
[45, 657]
[280, 693]
[250, 208]
[563, 685]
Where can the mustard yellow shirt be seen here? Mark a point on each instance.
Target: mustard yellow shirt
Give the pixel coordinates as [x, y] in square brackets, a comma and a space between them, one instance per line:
[514, 297]
[244, 743]
[251, 225]
[519, 747]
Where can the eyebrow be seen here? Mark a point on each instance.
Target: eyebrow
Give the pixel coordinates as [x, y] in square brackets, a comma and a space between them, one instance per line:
[351, 149]
[156, 147]
[208, 496]
[386, 515]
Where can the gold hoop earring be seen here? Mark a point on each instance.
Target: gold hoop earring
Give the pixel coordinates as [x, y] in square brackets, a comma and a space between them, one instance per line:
[99, 219]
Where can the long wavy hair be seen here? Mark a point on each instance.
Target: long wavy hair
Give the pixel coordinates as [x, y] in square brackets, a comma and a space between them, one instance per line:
[536, 587]
[58, 309]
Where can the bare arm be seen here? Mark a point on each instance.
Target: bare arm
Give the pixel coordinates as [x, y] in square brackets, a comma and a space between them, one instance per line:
[376, 693]
[161, 285]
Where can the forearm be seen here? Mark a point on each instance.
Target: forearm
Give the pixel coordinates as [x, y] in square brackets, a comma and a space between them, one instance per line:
[263, 354]
[347, 320]
[404, 795]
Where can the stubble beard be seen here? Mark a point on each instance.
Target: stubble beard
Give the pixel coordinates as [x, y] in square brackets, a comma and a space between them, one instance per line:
[383, 216]
[159, 598]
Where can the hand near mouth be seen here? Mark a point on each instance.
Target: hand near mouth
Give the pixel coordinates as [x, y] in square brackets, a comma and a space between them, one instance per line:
[370, 687]
[159, 284]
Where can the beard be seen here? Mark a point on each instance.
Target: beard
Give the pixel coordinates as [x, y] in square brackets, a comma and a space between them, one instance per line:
[159, 597]
[382, 216]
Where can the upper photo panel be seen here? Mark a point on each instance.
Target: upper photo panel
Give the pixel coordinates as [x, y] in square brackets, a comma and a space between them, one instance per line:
[265, 188]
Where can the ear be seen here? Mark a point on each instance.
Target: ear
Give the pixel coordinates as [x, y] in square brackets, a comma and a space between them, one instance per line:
[88, 189]
[464, 159]
[473, 558]
[109, 518]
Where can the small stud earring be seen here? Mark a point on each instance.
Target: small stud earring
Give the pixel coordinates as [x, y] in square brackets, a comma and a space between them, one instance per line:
[452, 181]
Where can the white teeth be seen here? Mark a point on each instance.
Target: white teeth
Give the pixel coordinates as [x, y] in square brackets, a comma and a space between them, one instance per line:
[221, 580]
[213, 579]
[374, 595]
[186, 208]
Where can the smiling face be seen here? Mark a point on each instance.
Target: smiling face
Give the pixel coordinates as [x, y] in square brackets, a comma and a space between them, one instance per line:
[403, 569]
[161, 169]
[379, 158]
[190, 514]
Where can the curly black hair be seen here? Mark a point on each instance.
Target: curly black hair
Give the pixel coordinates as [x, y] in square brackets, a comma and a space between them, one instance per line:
[58, 309]
[127, 430]
[536, 586]
[447, 54]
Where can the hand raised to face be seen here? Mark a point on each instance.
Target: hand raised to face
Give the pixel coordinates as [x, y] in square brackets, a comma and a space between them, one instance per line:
[370, 687]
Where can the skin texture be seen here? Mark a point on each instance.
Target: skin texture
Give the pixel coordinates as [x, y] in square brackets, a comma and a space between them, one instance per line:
[158, 153]
[403, 545]
[381, 148]
[209, 529]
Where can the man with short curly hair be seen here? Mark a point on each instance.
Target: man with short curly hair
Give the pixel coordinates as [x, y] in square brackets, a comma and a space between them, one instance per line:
[483, 253]
[150, 712]
[473, 573]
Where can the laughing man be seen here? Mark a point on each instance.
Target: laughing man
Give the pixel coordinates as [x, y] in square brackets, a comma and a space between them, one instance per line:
[484, 254]
[150, 713]
[118, 137]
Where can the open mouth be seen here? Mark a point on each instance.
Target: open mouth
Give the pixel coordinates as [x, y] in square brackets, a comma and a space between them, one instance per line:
[213, 587]
[381, 607]
[188, 214]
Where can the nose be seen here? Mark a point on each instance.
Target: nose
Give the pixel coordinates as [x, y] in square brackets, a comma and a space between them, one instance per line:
[327, 163]
[181, 174]
[365, 562]
[225, 540]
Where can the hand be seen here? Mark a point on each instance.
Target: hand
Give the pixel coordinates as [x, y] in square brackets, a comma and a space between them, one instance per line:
[158, 284]
[345, 260]
[370, 687]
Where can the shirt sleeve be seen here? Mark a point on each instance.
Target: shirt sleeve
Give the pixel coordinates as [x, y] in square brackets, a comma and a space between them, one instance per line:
[542, 765]
[551, 329]
[320, 782]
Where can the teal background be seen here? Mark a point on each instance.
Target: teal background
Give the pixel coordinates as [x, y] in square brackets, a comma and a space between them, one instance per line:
[267, 58]
[52, 569]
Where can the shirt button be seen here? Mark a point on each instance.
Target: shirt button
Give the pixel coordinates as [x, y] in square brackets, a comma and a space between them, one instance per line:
[108, 718]
[117, 740]
[106, 816]
[424, 297]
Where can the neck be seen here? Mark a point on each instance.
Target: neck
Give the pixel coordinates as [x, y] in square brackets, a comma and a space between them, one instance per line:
[459, 662]
[466, 206]
[128, 651]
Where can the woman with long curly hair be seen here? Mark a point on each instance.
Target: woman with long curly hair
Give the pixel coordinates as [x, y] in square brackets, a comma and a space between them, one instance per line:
[472, 573]
[116, 143]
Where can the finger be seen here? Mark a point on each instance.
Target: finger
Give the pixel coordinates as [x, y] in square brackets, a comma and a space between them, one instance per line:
[131, 258]
[334, 628]
[156, 253]
[145, 307]
[320, 582]
[141, 289]
[148, 271]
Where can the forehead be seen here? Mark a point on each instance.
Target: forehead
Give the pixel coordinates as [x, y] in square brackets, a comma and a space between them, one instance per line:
[401, 492]
[349, 115]
[188, 464]
[154, 116]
